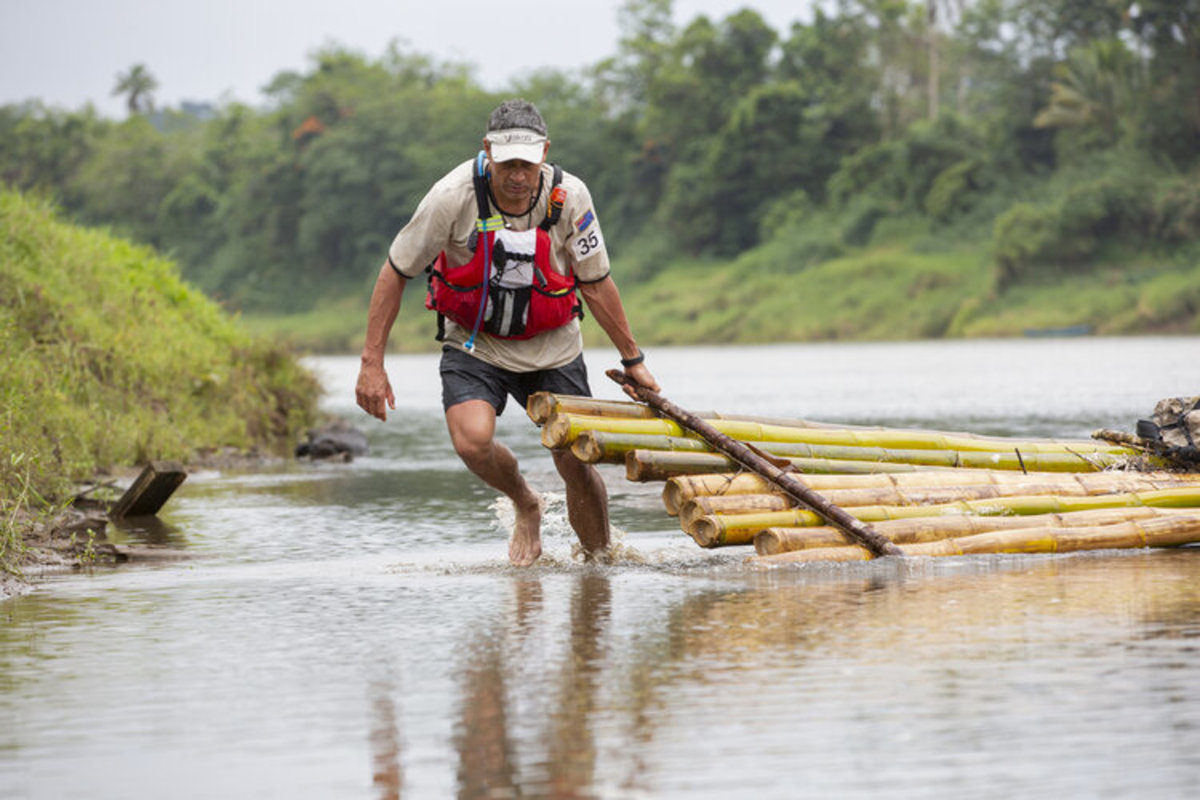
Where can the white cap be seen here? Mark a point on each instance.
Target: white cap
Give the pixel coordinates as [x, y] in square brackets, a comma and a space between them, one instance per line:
[513, 143]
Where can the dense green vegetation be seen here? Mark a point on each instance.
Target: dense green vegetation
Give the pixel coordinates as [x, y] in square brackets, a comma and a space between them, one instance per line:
[888, 168]
[109, 359]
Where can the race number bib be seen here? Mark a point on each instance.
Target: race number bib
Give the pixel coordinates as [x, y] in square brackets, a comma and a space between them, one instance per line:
[586, 240]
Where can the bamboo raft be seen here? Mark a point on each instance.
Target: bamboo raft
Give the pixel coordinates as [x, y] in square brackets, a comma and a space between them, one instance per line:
[924, 493]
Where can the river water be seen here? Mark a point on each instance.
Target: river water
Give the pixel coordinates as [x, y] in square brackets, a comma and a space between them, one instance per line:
[354, 630]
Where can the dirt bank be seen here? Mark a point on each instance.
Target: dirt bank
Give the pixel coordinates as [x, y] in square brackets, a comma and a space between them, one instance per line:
[74, 539]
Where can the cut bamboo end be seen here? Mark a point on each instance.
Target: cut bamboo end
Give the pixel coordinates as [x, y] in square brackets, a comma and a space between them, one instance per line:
[723, 530]
[541, 406]
[733, 504]
[682, 488]
[563, 428]
[593, 446]
[587, 450]
[712, 531]
[772, 541]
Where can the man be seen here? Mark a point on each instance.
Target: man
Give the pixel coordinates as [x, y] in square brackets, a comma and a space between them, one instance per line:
[500, 235]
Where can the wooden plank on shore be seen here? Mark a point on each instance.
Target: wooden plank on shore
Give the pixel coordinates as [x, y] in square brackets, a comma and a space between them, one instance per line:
[150, 490]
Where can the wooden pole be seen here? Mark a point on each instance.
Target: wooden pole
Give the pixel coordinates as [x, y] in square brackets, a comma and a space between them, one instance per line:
[152, 488]
[858, 530]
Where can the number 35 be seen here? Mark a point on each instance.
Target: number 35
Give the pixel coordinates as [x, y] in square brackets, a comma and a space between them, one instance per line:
[586, 244]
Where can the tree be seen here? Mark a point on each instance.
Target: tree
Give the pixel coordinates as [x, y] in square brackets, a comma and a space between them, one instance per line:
[138, 86]
[1097, 90]
[939, 15]
[1169, 34]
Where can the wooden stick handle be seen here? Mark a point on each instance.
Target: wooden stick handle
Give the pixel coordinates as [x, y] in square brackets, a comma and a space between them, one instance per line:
[856, 529]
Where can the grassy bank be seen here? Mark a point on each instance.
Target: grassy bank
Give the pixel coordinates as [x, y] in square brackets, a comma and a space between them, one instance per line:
[108, 359]
[895, 287]
[907, 291]
[338, 324]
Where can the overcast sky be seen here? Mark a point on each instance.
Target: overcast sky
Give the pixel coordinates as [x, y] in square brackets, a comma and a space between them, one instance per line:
[68, 52]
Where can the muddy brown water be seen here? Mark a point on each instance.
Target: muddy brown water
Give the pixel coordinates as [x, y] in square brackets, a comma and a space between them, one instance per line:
[354, 631]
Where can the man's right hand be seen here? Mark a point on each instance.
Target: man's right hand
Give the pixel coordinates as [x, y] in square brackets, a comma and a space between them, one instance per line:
[374, 392]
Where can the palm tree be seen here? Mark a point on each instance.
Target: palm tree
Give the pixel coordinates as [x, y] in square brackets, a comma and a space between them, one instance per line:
[1099, 86]
[138, 85]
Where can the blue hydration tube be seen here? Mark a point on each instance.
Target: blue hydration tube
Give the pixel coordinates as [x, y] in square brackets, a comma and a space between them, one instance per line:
[482, 226]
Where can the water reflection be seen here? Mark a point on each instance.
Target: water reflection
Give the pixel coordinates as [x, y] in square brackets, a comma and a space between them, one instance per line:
[572, 749]
[386, 774]
[564, 760]
[787, 680]
[147, 531]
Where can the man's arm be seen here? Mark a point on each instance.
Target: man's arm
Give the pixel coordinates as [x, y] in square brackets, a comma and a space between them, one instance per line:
[604, 301]
[374, 392]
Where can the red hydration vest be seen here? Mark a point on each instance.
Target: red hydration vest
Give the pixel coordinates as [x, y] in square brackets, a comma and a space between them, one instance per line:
[509, 288]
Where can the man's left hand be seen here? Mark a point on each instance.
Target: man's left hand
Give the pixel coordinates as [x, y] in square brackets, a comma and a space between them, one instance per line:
[641, 375]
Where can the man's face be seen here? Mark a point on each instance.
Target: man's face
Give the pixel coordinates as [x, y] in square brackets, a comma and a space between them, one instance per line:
[515, 181]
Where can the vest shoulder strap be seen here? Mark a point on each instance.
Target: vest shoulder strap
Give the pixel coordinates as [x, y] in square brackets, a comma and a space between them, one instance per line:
[554, 205]
[558, 196]
[479, 179]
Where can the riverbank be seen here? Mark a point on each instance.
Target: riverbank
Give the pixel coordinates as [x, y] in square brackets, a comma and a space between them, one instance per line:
[901, 286]
[65, 542]
[112, 360]
[74, 537]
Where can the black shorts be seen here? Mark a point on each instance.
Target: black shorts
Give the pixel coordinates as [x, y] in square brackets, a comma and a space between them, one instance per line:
[465, 377]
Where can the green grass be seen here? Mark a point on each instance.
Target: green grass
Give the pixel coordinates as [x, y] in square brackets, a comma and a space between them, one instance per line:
[908, 282]
[886, 292]
[339, 324]
[109, 359]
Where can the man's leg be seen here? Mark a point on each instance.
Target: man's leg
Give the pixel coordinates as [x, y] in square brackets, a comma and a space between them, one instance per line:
[472, 425]
[587, 501]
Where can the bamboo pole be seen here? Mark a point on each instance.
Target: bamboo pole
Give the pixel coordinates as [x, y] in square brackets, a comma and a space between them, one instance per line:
[937, 495]
[681, 488]
[716, 530]
[855, 528]
[1166, 531]
[733, 504]
[772, 541]
[592, 446]
[729, 505]
[659, 465]
[561, 429]
[541, 406]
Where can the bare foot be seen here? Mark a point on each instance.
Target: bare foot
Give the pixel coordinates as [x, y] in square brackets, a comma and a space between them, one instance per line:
[525, 546]
[601, 555]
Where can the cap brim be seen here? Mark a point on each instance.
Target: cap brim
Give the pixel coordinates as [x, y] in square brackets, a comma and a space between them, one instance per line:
[532, 152]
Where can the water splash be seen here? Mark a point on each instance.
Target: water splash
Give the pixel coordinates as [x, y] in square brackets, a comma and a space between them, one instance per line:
[560, 547]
